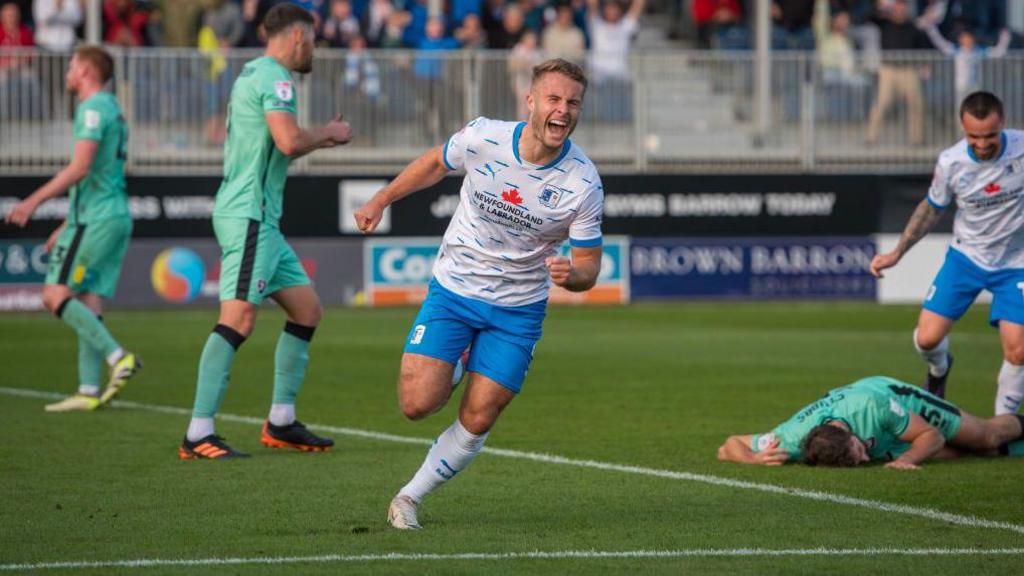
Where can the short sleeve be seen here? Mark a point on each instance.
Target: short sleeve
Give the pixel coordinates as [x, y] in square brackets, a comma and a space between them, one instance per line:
[90, 122]
[585, 229]
[277, 92]
[940, 193]
[761, 442]
[462, 143]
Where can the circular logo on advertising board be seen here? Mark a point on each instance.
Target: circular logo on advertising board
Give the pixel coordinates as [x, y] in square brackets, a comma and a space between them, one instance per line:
[178, 274]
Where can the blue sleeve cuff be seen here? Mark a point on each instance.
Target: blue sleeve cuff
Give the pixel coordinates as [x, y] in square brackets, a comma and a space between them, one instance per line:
[590, 243]
[936, 204]
[444, 155]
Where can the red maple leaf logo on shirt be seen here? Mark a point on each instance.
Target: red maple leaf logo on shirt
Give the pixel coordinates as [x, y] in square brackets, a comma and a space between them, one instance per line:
[992, 188]
[512, 196]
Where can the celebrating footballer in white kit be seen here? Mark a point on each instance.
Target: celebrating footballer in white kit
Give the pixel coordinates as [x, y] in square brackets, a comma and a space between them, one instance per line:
[527, 188]
[984, 175]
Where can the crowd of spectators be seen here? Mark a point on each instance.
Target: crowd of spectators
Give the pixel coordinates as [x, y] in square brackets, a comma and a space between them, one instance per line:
[558, 26]
[849, 37]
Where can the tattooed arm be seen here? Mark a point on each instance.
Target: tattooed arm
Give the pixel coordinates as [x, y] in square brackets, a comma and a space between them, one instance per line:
[921, 222]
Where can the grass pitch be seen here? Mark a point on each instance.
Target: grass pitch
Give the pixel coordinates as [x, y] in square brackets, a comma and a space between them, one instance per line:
[657, 387]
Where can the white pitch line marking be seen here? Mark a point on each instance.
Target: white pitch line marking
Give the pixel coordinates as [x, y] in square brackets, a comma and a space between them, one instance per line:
[534, 555]
[930, 513]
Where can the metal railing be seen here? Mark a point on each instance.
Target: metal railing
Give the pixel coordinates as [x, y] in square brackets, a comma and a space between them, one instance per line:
[674, 112]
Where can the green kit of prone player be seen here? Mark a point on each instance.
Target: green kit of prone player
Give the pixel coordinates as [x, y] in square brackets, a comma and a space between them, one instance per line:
[256, 261]
[87, 250]
[878, 418]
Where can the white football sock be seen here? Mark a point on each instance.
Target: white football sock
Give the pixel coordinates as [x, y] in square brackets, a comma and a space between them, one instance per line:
[937, 358]
[199, 428]
[282, 414]
[1011, 389]
[115, 356]
[89, 390]
[453, 450]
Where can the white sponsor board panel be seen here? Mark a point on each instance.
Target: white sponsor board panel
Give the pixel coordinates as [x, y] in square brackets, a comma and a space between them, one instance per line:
[909, 281]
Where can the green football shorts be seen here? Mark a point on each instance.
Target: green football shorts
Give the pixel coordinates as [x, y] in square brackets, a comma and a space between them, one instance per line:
[255, 260]
[88, 257]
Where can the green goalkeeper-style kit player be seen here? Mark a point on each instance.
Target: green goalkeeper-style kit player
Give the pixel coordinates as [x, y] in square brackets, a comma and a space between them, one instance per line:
[878, 418]
[256, 262]
[87, 250]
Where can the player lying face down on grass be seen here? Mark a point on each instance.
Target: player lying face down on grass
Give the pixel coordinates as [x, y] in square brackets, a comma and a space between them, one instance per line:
[878, 418]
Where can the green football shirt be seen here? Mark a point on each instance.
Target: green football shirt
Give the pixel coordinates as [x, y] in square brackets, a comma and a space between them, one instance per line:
[101, 194]
[871, 409]
[254, 169]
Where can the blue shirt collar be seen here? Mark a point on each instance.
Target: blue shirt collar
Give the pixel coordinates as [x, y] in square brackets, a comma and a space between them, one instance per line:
[970, 151]
[515, 148]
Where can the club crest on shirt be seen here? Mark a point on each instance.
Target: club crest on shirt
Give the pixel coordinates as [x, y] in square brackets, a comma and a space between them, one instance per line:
[549, 196]
[92, 119]
[283, 89]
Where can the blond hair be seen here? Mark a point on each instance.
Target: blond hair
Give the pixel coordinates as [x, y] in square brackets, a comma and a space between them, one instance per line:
[559, 66]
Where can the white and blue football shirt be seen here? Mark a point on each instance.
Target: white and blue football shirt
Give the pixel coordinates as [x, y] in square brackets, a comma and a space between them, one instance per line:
[989, 195]
[512, 214]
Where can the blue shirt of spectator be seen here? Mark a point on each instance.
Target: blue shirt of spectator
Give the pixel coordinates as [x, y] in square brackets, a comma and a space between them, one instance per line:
[460, 8]
[427, 65]
[415, 32]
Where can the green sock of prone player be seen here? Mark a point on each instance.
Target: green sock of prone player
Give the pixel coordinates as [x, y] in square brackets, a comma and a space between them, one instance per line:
[290, 361]
[214, 369]
[88, 326]
[1015, 448]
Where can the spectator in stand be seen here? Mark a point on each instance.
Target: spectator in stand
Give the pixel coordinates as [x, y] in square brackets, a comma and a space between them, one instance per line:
[562, 39]
[221, 30]
[429, 69]
[966, 54]
[862, 30]
[361, 72]
[19, 88]
[341, 25]
[492, 15]
[611, 33]
[415, 30]
[13, 34]
[837, 55]
[792, 21]
[224, 19]
[471, 34]
[375, 21]
[986, 19]
[174, 22]
[719, 18]
[56, 21]
[513, 23]
[124, 23]
[901, 79]
[525, 55]
[394, 31]
[462, 8]
[536, 14]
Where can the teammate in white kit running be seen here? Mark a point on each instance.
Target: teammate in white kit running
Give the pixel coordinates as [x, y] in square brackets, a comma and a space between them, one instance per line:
[984, 174]
[527, 188]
